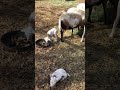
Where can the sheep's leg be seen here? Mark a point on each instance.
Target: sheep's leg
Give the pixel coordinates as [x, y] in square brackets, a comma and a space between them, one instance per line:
[105, 12]
[83, 34]
[72, 32]
[116, 21]
[78, 28]
[89, 17]
[61, 35]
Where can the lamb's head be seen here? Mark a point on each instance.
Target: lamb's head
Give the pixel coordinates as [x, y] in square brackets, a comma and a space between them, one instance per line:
[53, 80]
[47, 40]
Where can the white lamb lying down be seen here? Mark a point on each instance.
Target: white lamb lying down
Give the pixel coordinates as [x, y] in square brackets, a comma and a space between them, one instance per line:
[59, 74]
[53, 33]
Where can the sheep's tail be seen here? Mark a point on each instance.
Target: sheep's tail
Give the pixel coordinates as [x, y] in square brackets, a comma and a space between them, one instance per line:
[68, 74]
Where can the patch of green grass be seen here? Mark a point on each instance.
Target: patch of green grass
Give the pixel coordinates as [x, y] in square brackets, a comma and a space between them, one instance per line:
[63, 3]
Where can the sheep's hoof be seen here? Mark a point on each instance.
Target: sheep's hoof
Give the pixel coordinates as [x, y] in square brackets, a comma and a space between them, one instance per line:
[72, 35]
[62, 40]
[81, 40]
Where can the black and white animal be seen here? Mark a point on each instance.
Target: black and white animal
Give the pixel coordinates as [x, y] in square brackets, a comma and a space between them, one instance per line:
[53, 33]
[59, 74]
[116, 20]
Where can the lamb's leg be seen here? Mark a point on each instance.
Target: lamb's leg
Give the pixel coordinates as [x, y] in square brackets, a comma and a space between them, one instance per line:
[116, 21]
[83, 34]
[56, 38]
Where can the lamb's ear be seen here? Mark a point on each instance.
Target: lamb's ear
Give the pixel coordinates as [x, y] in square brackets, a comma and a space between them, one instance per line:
[55, 76]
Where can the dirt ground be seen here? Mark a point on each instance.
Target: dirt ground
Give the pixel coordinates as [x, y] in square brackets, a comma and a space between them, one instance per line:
[16, 68]
[69, 55]
[102, 55]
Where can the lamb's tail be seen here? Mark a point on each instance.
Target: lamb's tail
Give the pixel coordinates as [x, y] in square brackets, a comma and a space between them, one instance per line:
[68, 74]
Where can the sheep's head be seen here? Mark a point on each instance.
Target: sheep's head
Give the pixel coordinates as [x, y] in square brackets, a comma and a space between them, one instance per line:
[53, 80]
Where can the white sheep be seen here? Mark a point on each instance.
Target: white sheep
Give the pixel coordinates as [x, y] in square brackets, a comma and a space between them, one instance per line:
[59, 74]
[53, 33]
[116, 21]
[80, 9]
[72, 10]
[71, 21]
[76, 9]
[81, 6]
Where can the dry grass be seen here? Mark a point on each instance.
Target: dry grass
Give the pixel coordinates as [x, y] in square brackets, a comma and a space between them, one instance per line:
[102, 56]
[69, 55]
[16, 68]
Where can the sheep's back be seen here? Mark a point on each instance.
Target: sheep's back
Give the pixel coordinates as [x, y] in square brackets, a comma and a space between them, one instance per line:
[70, 20]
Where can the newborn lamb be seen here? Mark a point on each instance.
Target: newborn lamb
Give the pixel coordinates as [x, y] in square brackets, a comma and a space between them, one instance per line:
[47, 40]
[53, 33]
[59, 74]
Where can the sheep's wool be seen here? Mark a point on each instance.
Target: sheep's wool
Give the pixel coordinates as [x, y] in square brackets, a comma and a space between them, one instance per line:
[57, 75]
[47, 39]
[52, 32]
[72, 10]
[72, 19]
[81, 6]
